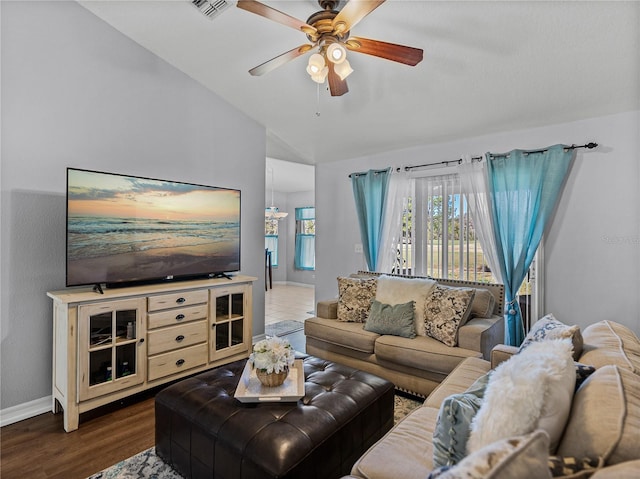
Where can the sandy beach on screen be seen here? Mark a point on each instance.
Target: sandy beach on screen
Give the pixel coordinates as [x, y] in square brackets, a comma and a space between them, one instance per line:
[155, 263]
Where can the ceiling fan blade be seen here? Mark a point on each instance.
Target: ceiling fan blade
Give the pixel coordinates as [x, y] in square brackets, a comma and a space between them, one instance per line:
[390, 51]
[337, 87]
[280, 60]
[353, 12]
[275, 15]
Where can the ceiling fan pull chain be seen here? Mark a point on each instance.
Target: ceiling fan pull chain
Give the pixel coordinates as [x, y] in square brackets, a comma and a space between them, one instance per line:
[317, 99]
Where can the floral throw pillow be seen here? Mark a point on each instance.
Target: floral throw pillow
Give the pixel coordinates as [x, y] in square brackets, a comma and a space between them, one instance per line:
[561, 466]
[354, 299]
[445, 310]
[548, 327]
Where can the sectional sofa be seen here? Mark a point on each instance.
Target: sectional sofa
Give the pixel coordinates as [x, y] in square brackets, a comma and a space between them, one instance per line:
[599, 438]
[414, 363]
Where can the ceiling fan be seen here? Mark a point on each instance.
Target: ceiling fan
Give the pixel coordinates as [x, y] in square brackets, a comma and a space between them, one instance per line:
[328, 31]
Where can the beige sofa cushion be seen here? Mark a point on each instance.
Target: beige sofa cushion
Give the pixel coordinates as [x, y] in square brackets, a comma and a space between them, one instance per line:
[516, 457]
[404, 452]
[608, 342]
[605, 418]
[421, 352]
[340, 333]
[483, 304]
[625, 470]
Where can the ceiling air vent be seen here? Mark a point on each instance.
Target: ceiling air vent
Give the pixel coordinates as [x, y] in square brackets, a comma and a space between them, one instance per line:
[210, 8]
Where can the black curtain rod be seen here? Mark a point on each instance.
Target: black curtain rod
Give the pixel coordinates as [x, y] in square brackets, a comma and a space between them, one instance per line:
[365, 172]
[589, 146]
[407, 168]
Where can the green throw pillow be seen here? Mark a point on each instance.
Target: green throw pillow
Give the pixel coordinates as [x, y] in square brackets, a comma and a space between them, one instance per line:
[454, 423]
[396, 320]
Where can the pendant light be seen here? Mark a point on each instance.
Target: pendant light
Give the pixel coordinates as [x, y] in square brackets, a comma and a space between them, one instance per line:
[272, 212]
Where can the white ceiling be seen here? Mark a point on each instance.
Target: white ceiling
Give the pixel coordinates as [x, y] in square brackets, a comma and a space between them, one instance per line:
[488, 67]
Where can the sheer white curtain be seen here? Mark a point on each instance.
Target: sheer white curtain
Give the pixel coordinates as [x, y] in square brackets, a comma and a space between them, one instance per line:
[397, 202]
[474, 182]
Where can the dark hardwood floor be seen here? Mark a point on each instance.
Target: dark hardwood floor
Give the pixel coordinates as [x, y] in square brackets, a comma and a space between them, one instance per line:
[39, 448]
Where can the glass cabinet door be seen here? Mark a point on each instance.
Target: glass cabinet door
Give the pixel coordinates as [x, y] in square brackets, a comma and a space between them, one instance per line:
[111, 352]
[228, 322]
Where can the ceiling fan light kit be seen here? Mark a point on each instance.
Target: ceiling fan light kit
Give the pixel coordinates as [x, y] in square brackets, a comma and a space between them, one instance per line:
[328, 31]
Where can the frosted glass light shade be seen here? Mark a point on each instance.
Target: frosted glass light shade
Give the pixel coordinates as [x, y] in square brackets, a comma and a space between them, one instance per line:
[343, 70]
[336, 53]
[316, 64]
[322, 76]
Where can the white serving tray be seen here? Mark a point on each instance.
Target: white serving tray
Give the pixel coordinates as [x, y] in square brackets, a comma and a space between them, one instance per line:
[250, 389]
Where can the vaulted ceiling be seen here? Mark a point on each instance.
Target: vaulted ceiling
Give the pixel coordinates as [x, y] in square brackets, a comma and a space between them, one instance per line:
[488, 67]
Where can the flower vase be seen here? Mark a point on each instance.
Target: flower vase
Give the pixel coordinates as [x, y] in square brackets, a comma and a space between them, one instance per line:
[272, 379]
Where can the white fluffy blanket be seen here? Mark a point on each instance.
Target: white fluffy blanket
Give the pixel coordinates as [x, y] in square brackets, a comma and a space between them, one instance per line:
[532, 390]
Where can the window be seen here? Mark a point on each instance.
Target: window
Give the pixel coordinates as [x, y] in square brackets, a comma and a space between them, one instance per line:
[271, 239]
[305, 258]
[438, 240]
[438, 235]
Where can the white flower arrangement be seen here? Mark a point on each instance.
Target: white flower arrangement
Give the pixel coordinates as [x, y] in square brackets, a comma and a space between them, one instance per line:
[272, 355]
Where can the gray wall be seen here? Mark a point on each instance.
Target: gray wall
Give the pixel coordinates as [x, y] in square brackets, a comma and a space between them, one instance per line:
[77, 93]
[592, 250]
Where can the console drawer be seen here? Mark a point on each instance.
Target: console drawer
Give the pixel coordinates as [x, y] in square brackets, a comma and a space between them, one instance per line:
[176, 361]
[176, 316]
[175, 300]
[175, 337]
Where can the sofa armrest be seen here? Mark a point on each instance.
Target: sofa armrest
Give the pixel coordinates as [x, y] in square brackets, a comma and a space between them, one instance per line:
[327, 309]
[482, 334]
[501, 353]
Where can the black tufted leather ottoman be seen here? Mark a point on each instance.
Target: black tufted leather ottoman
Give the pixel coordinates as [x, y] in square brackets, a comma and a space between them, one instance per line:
[204, 432]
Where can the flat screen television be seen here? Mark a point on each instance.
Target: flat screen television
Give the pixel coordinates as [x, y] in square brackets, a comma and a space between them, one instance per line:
[123, 230]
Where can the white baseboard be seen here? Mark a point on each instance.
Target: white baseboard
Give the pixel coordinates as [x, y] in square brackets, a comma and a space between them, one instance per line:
[25, 411]
[292, 283]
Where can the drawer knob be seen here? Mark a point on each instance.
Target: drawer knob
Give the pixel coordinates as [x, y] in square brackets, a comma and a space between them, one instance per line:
[179, 362]
[180, 300]
[179, 338]
[180, 317]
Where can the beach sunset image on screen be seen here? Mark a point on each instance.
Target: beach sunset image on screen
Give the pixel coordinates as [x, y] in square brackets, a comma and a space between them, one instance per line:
[126, 228]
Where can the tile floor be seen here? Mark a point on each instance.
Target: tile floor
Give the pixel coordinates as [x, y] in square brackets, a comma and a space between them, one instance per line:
[288, 302]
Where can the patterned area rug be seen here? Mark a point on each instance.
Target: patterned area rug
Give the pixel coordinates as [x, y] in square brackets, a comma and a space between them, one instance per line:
[283, 327]
[146, 465]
